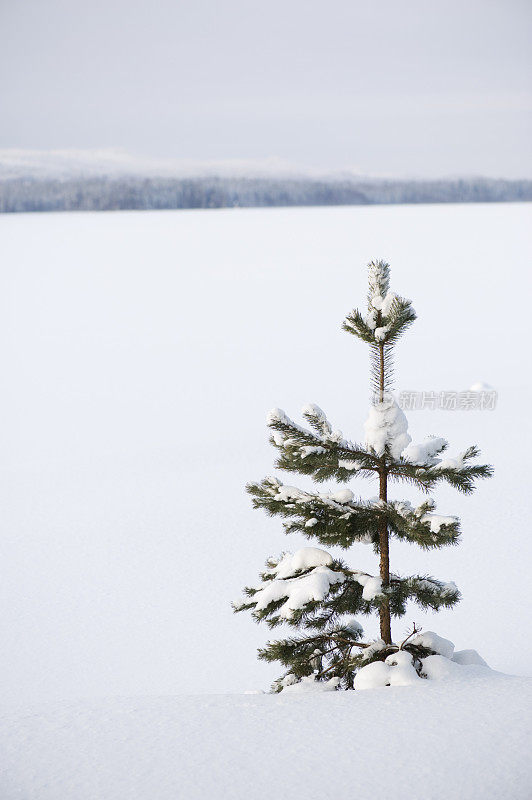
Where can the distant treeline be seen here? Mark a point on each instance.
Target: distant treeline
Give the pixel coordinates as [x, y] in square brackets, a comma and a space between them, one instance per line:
[112, 193]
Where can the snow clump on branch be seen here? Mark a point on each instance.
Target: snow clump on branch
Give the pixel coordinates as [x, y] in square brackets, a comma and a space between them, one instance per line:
[423, 454]
[303, 559]
[315, 585]
[387, 426]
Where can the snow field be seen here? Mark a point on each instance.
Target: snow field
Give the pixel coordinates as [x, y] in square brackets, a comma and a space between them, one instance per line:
[432, 741]
[140, 353]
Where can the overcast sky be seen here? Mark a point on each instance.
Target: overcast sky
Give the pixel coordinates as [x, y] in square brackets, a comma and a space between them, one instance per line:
[405, 88]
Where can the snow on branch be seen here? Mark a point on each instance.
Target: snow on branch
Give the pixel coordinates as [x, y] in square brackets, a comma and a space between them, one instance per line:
[310, 586]
[323, 453]
[458, 472]
[290, 565]
[387, 428]
[388, 314]
[326, 455]
[424, 454]
[318, 420]
[330, 517]
[378, 279]
[425, 591]
[421, 525]
[298, 592]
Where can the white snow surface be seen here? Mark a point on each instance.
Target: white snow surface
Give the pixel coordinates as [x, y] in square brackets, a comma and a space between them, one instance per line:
[311, 685]
[397, 670]
[468, 657]
[305, 558]
[440, 668]
[293, 494]
[450, 738]
[381, 332]
[455, 462]
[133, 348]
[372, 586]
[437, 520]
[387, 425]
[299, 591]
[374, 647]
[382, 304]
[312, 409]
[140, 352]
[343, 496]
[443, 647]
[348, 464]
[424, 452]
[481, 386]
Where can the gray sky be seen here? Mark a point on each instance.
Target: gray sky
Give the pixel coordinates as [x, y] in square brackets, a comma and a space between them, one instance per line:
[406, 88]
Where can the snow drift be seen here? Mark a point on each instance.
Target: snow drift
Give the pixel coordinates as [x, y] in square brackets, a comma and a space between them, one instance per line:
[464, 739]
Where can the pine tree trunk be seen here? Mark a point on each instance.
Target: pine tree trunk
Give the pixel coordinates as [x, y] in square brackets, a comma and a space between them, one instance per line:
[384, 544]
[384, 549]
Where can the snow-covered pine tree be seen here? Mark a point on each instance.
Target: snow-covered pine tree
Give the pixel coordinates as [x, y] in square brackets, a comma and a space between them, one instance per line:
[310, 590]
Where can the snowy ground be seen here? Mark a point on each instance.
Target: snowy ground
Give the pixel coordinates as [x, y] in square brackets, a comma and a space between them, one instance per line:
[435, 741]
[140, 354]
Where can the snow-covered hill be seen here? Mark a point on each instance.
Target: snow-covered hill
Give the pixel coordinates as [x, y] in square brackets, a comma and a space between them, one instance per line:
[466, 739]
[108, 180]
[117, 162]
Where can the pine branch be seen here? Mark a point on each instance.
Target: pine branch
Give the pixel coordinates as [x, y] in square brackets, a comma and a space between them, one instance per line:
[318, 516]
[388, 314]
[421, 526]
[425, 591]
[427, 477]
[378, 279]
[324, 455]
[356, 324]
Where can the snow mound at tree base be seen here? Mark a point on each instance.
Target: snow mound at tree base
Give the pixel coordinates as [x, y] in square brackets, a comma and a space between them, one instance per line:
[434, 740]
[399, 670]
[402, 668]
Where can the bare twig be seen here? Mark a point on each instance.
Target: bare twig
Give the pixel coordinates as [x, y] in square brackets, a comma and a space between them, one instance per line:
[413, 633]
